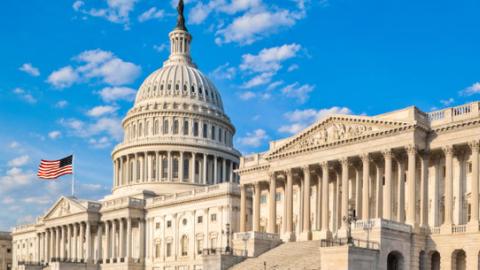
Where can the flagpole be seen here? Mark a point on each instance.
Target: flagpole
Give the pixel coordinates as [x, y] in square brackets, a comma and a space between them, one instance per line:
[73, 175]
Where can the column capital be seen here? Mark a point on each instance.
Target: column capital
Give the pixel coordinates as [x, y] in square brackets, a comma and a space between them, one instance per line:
[448, 149]
[288, 172]
[365, 157]
[411, 149]
[474, 145]
[344, 161]
[387, 153]
[324, 165]
[306, 169]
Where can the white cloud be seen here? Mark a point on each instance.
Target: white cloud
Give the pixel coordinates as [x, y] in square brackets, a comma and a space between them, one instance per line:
[8, 200]
[54, 134]
[14, 145]
[150, 14]
[38, 200]
[111, 126]
[269, 59]
[110, 94]
[16, 177]
[30, 69]
[19, 161]
[292, 67]
[97, 63]
[300, 92]
[160, 48]
[100, 143]
[254, 139]
[471, 90]
[63, 77]
[261, 79]
[300, 119]
[101, 110]
[117, 11]
[224, 72]
[247, 95]
[61, 104]
[447, 102]
[253, 26]
[24, 95]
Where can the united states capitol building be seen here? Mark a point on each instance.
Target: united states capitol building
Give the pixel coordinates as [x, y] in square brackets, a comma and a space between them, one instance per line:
[393, 191]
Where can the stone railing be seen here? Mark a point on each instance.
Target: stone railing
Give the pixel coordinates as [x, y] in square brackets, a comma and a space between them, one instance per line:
[466, 111]
[253, 160]
[381, 223]
[459, 229]
[435, 230]
[257, 235]
[123, 203]
[194, 193]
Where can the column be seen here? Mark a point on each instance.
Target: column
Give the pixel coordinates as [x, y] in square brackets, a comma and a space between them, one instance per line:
[88, 240]
[121, 176]
[473, 223]
[412, 196]
[379, 189]
[157, 166]
[224, 170]
[122, 240]
[325, 233]
[192, 168]
[141, 224]
[62, 243]
[113, 240]
[230, 177]
[448, 150]
[243, 210]
[289, 200]
[318, 212]
[401, 190]
[106, 255]
[307, 231]
[135, 166]
[344, 214]
[272, 204]
[129, 240]
[81, 233]
[169, 171]
[46, 242]
[256, 207]
[425, 158]
[69, 243]
[75, 243]
[358, 193]
[365, 186]
[98, 254]
[180, 167]
[215, 170]
[205, 158]
[387, 203]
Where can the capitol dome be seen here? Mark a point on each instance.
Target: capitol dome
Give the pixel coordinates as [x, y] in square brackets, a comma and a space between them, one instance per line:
[177, 135]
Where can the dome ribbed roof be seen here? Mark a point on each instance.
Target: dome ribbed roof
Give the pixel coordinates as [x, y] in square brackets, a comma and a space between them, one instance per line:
[179, 81]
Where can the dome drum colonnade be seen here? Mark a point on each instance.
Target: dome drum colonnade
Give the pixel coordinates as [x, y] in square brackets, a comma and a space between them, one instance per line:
[177, 132]
[382, 195]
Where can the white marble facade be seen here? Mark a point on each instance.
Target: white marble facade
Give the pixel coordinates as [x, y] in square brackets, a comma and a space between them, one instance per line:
[412, 171]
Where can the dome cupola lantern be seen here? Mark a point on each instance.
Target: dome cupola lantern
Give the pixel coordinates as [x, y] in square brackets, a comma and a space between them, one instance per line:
[180, 41]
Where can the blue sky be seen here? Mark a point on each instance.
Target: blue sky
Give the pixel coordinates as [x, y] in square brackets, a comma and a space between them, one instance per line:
[69, 70]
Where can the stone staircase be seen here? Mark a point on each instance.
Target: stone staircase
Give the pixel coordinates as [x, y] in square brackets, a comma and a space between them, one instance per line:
[289, 256]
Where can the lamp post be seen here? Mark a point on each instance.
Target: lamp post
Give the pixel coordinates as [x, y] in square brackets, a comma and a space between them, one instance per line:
[350, 219]
[228, 249]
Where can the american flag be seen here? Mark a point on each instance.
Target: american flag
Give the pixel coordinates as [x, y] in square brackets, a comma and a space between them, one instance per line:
[52, 169]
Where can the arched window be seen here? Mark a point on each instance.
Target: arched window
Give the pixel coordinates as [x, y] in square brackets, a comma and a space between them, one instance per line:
[155, 127]
[140, 130]
[184, 245]
[134, 133]
[137, 177]
[146, 128]
[154, 167]
[164, 167]
[195, 129]
[165, 126]
[175, 126]
[435, 261]
[175, 168]
[213, 133]
[394, 261]
[185, 127]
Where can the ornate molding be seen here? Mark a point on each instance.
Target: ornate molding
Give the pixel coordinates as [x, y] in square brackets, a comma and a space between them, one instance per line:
[448, 149]
[474, 145]
[411, 149]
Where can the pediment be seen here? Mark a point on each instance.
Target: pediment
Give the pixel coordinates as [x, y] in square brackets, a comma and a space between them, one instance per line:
[65, 207]
[336, 129]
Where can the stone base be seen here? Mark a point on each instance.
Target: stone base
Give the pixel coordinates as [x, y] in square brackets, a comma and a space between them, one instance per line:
[473, 226]
[349, 258]
[252, 244]
[288, 237]
[342, 233]
[305, 236]
[324, 235]
[220, 262]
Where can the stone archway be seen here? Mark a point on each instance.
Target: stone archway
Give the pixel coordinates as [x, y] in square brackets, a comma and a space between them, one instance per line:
[395, 261]
[422, 262]
[459, 260]
[435, 260]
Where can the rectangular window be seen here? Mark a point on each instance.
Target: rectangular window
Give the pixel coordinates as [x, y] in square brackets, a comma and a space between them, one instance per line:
[213, 133]
[263, 199]
[185, 127]
[199, 246]
[213, 217]
[169, 249]
[220, 134]
[199, 219]
[186, 169]
[165, 126]
[157, 225]
[169, 223]
[175, 126]
[278, 196]
[157, 250]
[164, 168]
[175, 168]
[205, 131]
[470, 167]
[195, 129]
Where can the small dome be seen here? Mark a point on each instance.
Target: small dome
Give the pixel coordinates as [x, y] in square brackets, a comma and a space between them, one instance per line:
[180, 82]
